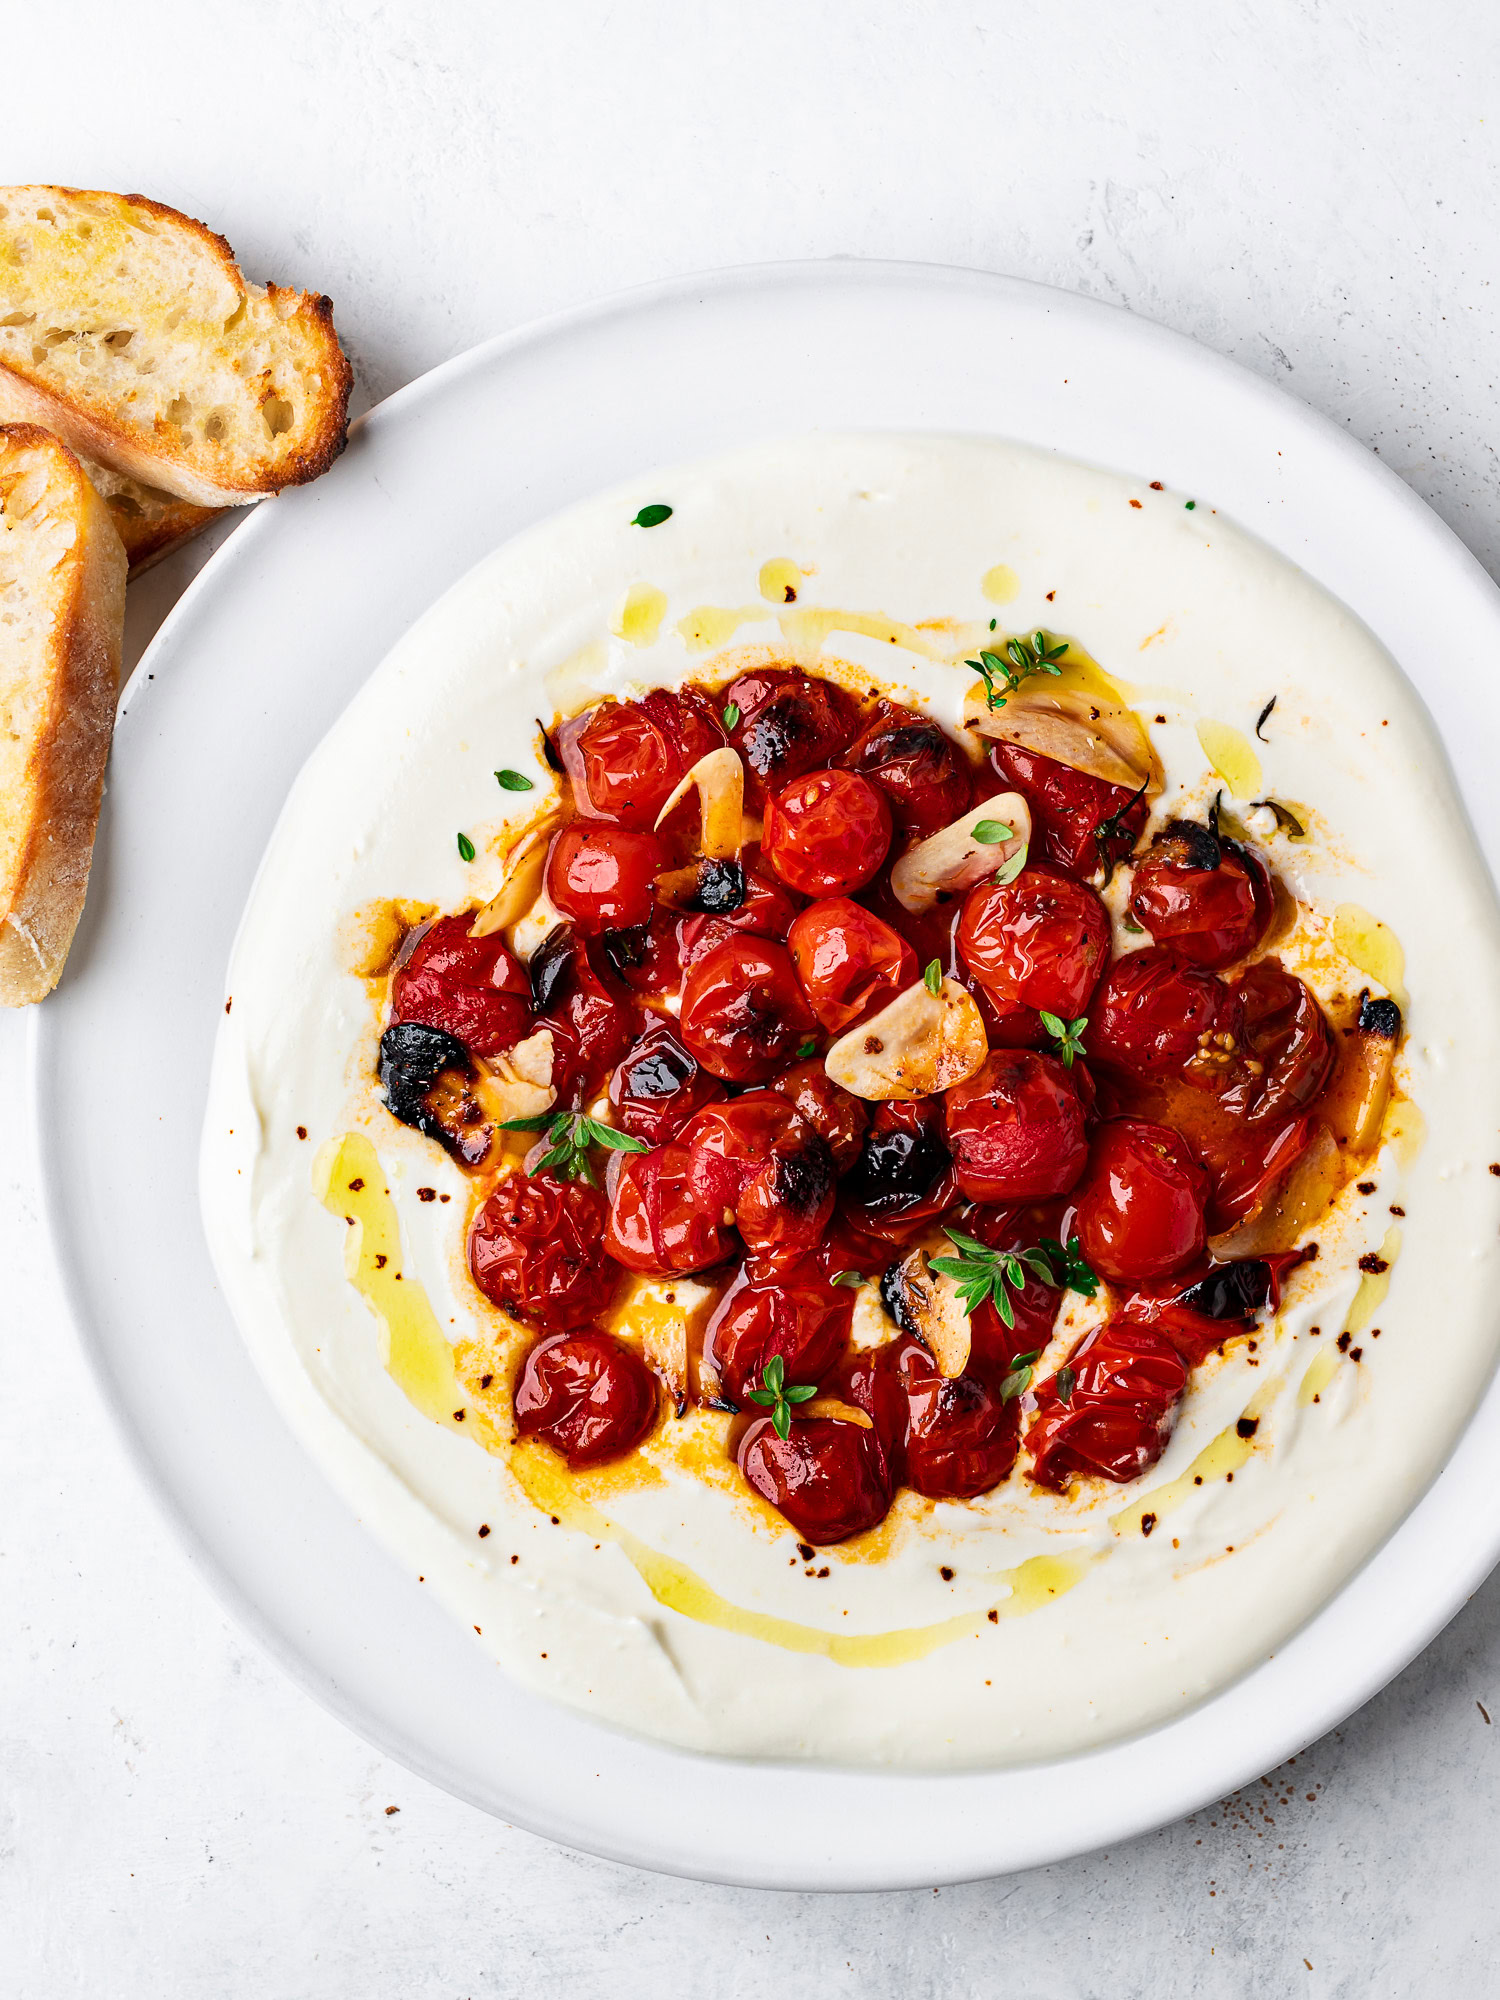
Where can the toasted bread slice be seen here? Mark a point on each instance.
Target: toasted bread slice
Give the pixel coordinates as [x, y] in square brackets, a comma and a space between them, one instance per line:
[127, 329]
[149, 522]
[62, 622]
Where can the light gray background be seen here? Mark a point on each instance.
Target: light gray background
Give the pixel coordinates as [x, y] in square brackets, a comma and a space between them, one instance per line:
[1306, 185]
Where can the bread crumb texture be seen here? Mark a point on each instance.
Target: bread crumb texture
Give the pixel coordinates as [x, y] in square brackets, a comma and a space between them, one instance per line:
[128, 329]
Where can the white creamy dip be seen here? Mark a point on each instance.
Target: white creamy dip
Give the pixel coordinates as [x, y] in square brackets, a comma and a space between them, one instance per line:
[1027, 1624]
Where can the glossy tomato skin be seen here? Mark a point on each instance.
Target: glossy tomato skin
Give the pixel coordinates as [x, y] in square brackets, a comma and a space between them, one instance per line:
[924, 774]
[828, 1478]
[603, 878]
[1156, 1016]
[1016, 1128]
[1141, 1203]
[757, 1159]
[802, 1320]
[536, 1251]
[656, 1222]
[588, 1395]
[768, 910]
[1203, 1307]
[659, 1085]
[1039, 942]
[903, 1176]
[743, 1012]
[590, 1017]
[788, 723]
[647, 957]
[1127, 1382]
[625, 758]
[471, 988]
[1204, 898]
[1286, 1033]
[850, 963]
[952, 1439]
[839, 1119]
[1248, 1165]
[1067, 807]
[827, 833]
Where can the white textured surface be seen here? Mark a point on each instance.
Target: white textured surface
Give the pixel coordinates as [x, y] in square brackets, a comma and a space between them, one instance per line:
[1306, 187]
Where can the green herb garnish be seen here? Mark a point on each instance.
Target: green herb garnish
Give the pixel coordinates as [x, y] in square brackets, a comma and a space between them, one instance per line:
[465, 848]
[652, 516]
[853, 1279]
[990, 832]
[932, 978]
[570, 1134]
[1067, 1034]
[775, 1395]
[1066, 1379]
[1009, 870]
[1003, 674]
[513, 781]
[1190, 505]
[731, 714]
[1019, 1377]
[982, 1273]
[808, 1048]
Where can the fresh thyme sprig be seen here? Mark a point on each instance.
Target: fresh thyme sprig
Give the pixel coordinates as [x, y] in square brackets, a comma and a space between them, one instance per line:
[1003, 674]
[982, 1273]
[776, 1395]
[570, 1135]
[1068, 1035]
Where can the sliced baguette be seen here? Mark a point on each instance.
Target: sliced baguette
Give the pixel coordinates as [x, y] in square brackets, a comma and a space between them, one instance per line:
[149, 522]
[62, 621]
[128, 330]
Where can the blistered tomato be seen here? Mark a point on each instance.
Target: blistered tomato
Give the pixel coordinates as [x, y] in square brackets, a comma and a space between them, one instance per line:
[1111, 1417]
[743, 1012]
[1016, 1128]
[787, 723]
[603, 877]
[1287, 1036]
[757, 1160]
[656, 1222]
[839, 1119]
[1155, 1015]
[924, 774]
[1204, 898]
[828, 1477]
[827, 833]
[659, 1085]
[1078, 822]
[469, 987]
[1140, 1205]
[807, 1324]
[590, 1018]
[849, 962]
[1040, 941]
[625, 758]
[588, 1395]
[536, 1251]
[764, 908]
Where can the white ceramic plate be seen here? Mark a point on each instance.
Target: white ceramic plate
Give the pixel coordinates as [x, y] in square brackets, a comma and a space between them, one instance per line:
[258, 659]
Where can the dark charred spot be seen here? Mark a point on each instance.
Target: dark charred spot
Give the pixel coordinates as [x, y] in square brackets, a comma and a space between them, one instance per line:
[801, 1180]
[658, 1072]
[1374, 1265]
[426, 1074]
[893, 1298]
[549, 748]
[1186, 844]
[1232, 1291]
[1247, 1427]
[625, 949]
[1380, 1017]
[778, 735]
[553, 966]
[896, 1170]
[720, 890]
[907, 739]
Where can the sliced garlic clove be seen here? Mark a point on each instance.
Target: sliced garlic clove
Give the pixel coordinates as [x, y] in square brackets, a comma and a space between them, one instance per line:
[921, 1043]
[525, 866]
[518, 1084]
[831, 1406]
[926, 1303]
[719, 780]
[1083, 731]
[952, 861]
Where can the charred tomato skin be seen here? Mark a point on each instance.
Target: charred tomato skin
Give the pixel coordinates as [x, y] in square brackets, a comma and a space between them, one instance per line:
[1127, 1383]
[588, 1012]
[659, 1085]
[828, 1478]
[1204, 898]
[471, 988]
[603, 878]
[827, 832]
[1016, 1128]
[788, 724]
[924, 774]
[1041, 941]
[1141, 1202]
[1068, 808]
[839, 1119]
[588, 1395]
[1154, 1016]
[850, 963]
[743, 1011]
[759, 1160]
[953, 1439]
[536, 1251]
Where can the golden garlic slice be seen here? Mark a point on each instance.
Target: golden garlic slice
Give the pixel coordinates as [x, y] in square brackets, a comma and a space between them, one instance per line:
[518, 1084]
[951, 861]
[719, 780]
[1084, 731]
[921, 1043]
[930, 1307]
[525, 866]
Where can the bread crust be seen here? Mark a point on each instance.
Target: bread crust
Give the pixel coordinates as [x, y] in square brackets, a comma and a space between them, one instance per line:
[89, 423]
[58, 799]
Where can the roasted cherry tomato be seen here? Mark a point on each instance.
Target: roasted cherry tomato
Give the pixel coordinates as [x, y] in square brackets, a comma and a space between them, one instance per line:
[589, 1396]
[839, 1119]
[922, 771]
[659, 1085]
[1205, 898]
[757, 1160]
[1204, 1307]
[827, 833]
[743, 1013]
[625, 758]
[849, 962]
[1249, 1163]
[603, 877]
[647, 956]
[961, 1436]
[903, 1175]
[767, 909]
[656, 1222]
[806, 1323]
[1078, 823]
[829, 1477]
[788, 724]
[536, 1250]
[1156, 1016]
[469, 987]
[1016, 1128]
[1288, 1046]
[1115, 1422]
[591, 1020]
[1040, 941]
[1140, 1205]
[1033, 1306]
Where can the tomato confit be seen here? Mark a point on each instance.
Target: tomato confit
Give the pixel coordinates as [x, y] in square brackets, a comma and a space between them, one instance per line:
[819, 1013]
